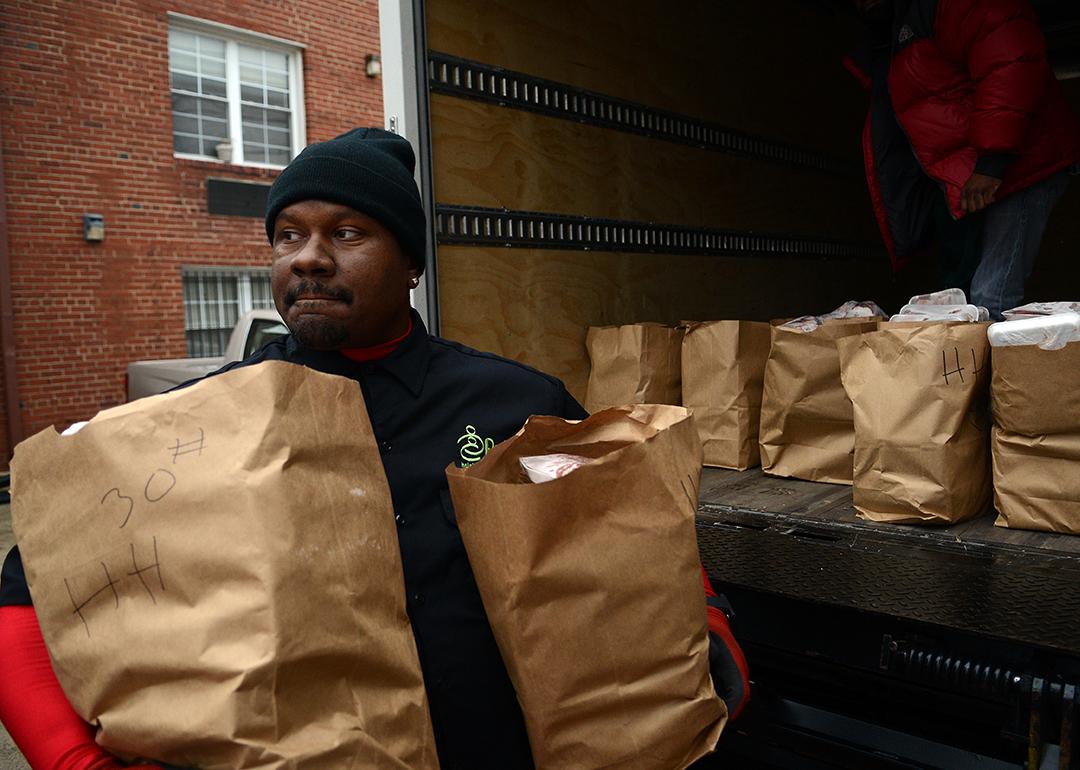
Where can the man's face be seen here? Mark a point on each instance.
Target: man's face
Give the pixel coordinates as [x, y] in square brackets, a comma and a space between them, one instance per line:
[339, 277]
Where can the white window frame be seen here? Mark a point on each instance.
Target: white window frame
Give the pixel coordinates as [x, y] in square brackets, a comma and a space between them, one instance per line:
[234, 36]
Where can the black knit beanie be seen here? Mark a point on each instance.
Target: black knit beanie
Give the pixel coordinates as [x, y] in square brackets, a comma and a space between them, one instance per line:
[367, 169]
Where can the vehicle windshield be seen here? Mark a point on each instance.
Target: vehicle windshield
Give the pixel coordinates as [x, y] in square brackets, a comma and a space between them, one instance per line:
[263, 331]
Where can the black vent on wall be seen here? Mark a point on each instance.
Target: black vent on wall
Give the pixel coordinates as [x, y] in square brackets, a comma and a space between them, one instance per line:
[236, 199]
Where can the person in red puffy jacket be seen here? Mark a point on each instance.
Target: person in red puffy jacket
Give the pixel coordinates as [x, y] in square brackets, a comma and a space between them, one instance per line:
[964, 103]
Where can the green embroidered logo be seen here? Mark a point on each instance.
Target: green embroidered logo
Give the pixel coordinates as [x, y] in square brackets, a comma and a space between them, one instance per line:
[473, 447]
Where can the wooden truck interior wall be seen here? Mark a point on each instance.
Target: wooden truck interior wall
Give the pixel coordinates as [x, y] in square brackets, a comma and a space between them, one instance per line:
[774, 74]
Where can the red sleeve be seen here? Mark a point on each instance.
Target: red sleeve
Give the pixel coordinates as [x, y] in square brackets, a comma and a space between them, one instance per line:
[34, 709]
[1005, 52]
[727, 661]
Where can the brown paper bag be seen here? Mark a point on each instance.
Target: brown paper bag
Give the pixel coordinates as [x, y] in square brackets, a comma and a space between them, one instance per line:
[723, 368]
[807, 426]
[634, 364]
[921, 421]
[1035, 395]
[217, 576]
[592, 585]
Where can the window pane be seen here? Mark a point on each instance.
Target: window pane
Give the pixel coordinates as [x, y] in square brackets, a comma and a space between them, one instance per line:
[276, 61]
[212, 66]
[251, 94]
[179, 60]
[279, 156]
[184, 82]
[249, 55]
[213, 87]
[211, 46]
[254, 153]
[185, 124]
[251, 74]
[278, 138]
[277, 98]
[215, 129]
[277, 119]
[254, 134]
[212, 108]
[277, 79]
[182, 40]
[187, 144]
[186, 104]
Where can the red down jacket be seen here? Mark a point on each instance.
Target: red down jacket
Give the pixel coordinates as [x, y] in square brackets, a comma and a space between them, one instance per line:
[971, 87]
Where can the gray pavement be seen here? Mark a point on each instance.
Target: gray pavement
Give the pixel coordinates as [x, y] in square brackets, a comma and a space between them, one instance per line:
[10, 758]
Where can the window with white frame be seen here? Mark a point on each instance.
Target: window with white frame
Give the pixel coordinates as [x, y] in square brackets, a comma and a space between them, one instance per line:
[214, 299]
[236, 96]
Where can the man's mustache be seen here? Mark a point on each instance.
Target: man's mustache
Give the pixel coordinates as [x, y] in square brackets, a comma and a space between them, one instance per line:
[318, 289]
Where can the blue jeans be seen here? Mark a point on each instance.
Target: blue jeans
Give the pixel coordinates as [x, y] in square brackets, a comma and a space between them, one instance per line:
[1012, 232]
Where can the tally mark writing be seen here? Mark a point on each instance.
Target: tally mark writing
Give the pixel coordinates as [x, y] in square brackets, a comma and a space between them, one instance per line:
[157, 486]
[110, 583]
[958, 369]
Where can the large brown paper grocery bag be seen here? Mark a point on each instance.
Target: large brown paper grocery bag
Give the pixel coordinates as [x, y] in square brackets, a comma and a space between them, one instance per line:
[921, 421]
[1035, 396]
[723, 368]
[807, 426]
[633, 364]
[217, 576]
[592, 585]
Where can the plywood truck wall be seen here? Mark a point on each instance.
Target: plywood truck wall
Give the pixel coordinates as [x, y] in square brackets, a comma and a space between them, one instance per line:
[792, 169]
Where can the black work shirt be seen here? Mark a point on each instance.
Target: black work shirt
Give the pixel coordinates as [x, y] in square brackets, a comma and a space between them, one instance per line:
[433, 402]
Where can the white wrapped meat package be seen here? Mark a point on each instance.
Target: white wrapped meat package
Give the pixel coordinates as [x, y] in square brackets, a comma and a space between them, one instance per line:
[1049, 332]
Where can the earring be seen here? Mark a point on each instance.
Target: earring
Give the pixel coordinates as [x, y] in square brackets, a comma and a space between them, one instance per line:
[414, 282]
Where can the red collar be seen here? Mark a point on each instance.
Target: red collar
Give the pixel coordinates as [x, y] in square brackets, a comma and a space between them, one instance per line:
[377, 352]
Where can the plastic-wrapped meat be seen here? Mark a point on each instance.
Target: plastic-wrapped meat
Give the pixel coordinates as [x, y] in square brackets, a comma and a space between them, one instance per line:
[943, 297]
[806, 323]
[850, 309]
[1041, 308]
[541, 468]
[1049, 332]
[941, 313]
[853, 309]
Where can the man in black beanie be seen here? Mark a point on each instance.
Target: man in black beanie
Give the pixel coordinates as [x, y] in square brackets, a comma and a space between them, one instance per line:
[348, 234]
[347, 230]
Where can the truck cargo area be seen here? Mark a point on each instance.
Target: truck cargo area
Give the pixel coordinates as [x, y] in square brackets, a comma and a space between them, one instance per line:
[893, 645]
[599, 164]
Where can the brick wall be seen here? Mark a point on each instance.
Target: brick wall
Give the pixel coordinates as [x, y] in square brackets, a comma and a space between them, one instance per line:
[86, 125]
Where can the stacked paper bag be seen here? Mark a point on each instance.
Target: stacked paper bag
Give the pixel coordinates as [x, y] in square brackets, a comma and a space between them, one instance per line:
[1035, 397]
[633, 364]
[921, 425]
[918, 387]
[807, 425]
[723, 369]
[217, 577]
[592, 584]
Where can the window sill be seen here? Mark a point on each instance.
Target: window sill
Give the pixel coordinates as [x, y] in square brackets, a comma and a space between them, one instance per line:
[248, 169]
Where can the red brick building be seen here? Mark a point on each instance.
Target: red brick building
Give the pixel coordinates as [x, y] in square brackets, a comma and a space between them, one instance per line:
[136, 110]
